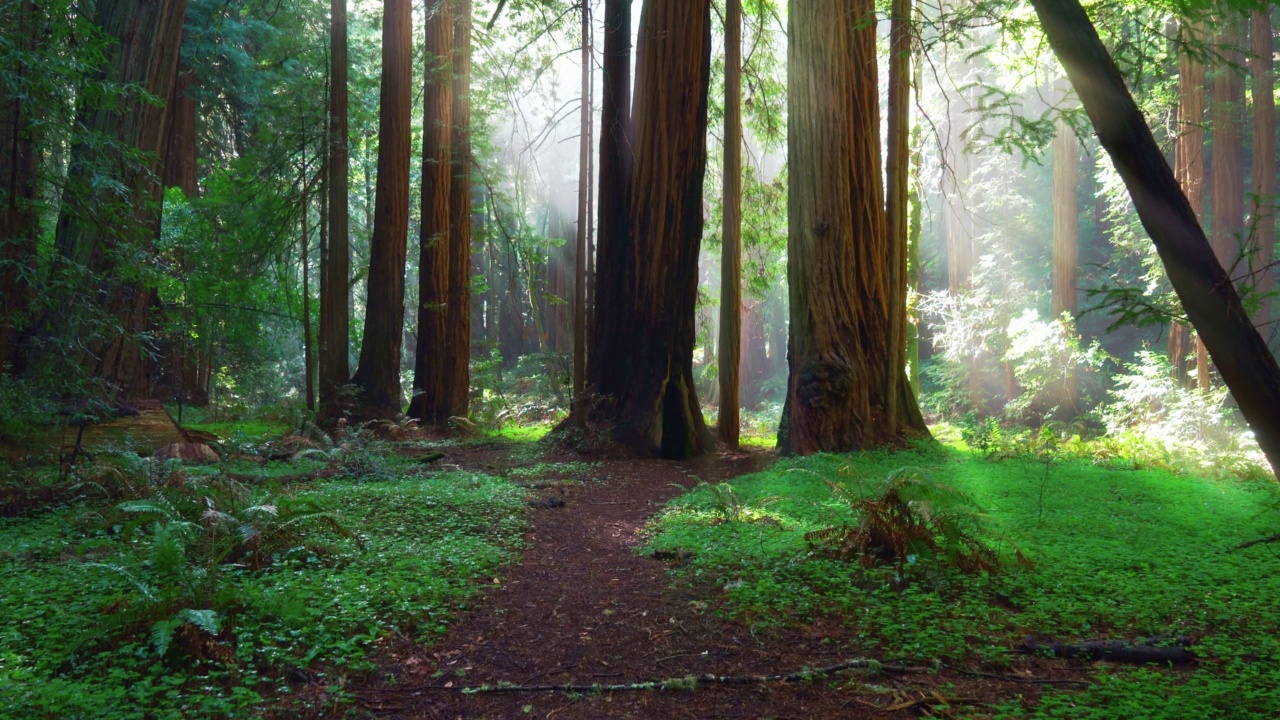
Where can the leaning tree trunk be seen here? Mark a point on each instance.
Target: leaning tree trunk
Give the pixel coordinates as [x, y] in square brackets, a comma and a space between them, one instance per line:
[431, 394]
[604, 372]
[654, 291]
[1211, 301]
[731, 248]
[102, 223]
[1188, 160]
[378, 374]
[845, 375]
[335, 313]
[1262, 235]
[458, 306]
[19, 213]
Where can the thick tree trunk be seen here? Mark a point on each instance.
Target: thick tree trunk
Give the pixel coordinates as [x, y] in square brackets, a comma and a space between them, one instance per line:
[1188, 160]
[584, 202]
[378, 374]
[845, 383]
[731, 249]
[335, 312]
[1262, 232]
[19, 212]
[1211, 302]
[458, 306]
[431, 401]
[604, 371]
[646, 314]
[98, 225]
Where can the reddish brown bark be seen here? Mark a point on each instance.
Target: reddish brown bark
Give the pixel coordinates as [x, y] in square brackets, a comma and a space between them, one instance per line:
[458, 306]
[1262, 230]
[335, 271]
[584, 202]
[731, 248]
[1188, 154]
[378, 374]
[431, 395]
[845, 381]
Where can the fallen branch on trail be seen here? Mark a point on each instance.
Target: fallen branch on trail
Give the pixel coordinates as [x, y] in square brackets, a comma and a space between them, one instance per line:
[1138, 652]
[1258, 541]
[689, 682]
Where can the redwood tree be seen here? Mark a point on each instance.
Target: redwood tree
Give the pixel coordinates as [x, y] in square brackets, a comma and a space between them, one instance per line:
[731, 249]
[1262, 232]
[431, 396]
[1188, 159]
[19, 213]
[335, 259]
[378, 374]
[458, 306]
[845, 376]
[648, 273]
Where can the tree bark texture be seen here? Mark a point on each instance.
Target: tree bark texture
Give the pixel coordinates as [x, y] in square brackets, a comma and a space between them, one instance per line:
[731, 248]
[608, 345]
[458, 307]
[100, 226]
[19, 212]
[1206, 291]
[1188, 160]
[584, 202]
[378, 374]
[845, 380]
[431, 401]
[1262, 231]
[335, 309]
[650, 327]
[1066, 222]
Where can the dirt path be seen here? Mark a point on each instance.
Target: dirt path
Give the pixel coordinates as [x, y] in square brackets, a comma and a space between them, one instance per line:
[583, 607]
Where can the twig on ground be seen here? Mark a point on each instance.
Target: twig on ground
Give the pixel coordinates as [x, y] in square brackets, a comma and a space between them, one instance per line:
[1258, 541]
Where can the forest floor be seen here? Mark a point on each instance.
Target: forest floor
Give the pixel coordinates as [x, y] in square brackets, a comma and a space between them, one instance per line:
[585, 607]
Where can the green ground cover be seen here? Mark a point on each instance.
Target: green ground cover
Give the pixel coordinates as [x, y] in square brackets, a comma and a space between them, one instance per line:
[161, 607]
[1118, 553]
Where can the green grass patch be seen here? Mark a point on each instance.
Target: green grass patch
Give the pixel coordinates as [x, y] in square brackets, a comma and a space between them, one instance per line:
[98, 620]
[1118, 553]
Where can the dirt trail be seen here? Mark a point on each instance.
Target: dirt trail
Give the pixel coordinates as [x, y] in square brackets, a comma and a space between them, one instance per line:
[583, 607]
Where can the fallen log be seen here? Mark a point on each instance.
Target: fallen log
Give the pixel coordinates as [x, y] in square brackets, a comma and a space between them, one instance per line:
[1125, 651]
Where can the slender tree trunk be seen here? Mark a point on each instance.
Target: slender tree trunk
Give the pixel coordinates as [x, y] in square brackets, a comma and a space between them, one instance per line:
[1188, 154]
[915, 232]
[604, 373]
[378, 374]
[335, 313]
[458, 307]
[731, 248]
[97, 225]
[846, 378]
[1066, 249]
[431, 392]
[646, 315]
[1262, 233]
[957, 221]
[580, 257]
[1207, 294]
[19, 212]
[308, 351]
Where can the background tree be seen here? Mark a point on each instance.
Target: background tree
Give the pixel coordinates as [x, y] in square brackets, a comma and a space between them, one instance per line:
[1189, 169]
[335, 319]
[1262, 228]
[458, 306]
[731, 238]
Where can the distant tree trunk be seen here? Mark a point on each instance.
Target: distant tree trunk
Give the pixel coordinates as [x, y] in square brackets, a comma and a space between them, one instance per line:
[432, 396]
[648, 290]
[584, 202]
[19, 213]
[1211, 301]
[1188, 154]
[97, 223]
[845, 382]
[1226, 166]
[378, 374]
[458, 307]
[731, 248]
[604, 372]
[308, 352]
[1066, 248]
[335, 313]
[957, 220]
[915, 231]
[1262, 235]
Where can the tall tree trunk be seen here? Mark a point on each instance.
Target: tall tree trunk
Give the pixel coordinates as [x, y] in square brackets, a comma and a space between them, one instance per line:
[1262, 233]
[604, 373]
[458, 307]
[1226, 167]
[1211, 301]
[19, 213]
[335, 312]
[915, 232]
[584, 202]
[1188, 158]
[845, 383]
[731, 249]
[957, 221]
[1066, 248]
[378, 374]
[431, 392]
[98, 225]
[647, 295]
[308, 351]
